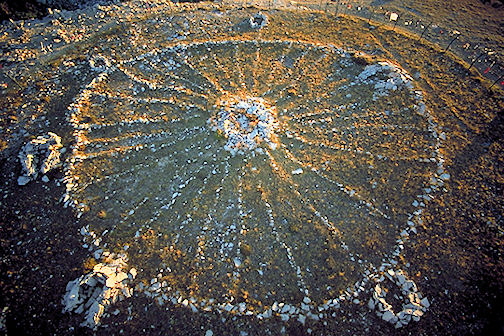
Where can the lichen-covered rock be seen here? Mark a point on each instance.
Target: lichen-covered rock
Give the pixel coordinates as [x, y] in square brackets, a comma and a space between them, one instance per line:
[39, 156]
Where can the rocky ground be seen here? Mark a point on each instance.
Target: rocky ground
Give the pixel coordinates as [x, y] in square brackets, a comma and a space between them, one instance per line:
[22, 10]
[456, 257]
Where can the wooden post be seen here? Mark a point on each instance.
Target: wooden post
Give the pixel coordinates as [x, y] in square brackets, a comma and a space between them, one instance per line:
[449, 44]
[498, 79]
[427, 27]
[15, 81]
[474, 61]
[394, 17]
[370, 16]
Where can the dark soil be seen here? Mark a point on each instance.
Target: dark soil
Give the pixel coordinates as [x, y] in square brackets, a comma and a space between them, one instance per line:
[21, 10]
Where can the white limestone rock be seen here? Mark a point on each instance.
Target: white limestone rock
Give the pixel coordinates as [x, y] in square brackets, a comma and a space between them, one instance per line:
[297, 171]
[414, 306]
[425, 302]
[38, 157]
[387, 316]
[258, 21]
[23, 180]
[371, 304]
[92, 293]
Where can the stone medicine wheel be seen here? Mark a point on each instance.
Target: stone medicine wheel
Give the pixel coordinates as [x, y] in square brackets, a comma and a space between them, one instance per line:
[252, 176]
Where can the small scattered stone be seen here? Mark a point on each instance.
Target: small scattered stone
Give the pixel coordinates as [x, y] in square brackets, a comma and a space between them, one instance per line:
[297, 171]
[23, 180]
[401, 278]
[425, 302]
[387, 316]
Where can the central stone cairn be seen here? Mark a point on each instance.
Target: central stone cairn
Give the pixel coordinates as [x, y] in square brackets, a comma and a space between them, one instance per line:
[246, 124]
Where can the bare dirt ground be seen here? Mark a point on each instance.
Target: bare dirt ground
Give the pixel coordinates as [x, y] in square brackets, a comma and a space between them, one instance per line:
[456, 257]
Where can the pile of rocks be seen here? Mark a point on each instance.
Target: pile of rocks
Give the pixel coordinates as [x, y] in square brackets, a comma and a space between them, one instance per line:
[92, 293]
[258, 21]
[39, 156]
[392, 78]
[99, 63]
[246, 124]
[413, 309]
